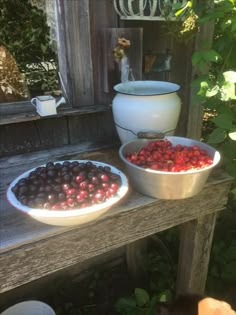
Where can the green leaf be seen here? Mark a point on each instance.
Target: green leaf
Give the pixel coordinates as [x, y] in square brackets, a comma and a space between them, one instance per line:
[125, 305]
[228, 86]
[213, 91]
[229, 272]
[43, 48]
[233, 25]
[217, 136]
[196, 57]
[232, 135]
[223, 121]
[229, 149]
[231, 168]
[211, 55]
[230, 253]
[165, 296]
[203, 88]
[142, 297]
[230, 76]
[233, 191]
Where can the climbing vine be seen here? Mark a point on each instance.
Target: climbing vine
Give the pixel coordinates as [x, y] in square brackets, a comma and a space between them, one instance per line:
[216, 89]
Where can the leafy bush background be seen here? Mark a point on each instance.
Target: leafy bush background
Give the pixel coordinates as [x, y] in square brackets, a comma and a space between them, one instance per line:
[25, 33]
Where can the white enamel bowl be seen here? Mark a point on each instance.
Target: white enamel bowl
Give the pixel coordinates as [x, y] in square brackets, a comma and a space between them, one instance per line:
[70, 217]
[29, 308]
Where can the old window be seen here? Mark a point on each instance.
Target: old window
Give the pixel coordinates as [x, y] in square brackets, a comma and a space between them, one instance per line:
[28, 56]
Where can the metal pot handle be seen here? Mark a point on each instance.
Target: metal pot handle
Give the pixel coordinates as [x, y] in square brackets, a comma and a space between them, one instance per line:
[150, 135]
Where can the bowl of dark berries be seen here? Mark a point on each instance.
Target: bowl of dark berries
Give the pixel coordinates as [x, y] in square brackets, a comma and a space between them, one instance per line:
[170, 168]
[68, 192]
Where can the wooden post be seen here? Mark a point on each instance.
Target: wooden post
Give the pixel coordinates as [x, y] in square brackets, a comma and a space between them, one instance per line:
[195, 114]
[134, 258]
[196, 236]
[195, 246]
[74, 52]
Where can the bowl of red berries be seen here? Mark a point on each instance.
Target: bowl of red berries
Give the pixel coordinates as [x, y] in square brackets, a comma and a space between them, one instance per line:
[68, 192]
[169, 168]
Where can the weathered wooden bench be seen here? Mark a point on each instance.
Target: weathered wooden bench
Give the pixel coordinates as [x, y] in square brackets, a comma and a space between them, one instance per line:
[31, 250]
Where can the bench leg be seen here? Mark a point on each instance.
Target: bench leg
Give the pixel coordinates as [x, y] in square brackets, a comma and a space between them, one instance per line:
[194, 253]
[134, 258]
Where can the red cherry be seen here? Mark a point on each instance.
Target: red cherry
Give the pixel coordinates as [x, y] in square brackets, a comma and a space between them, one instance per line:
[66, 186]
[56, 206]
[71, 192]
[104, 178]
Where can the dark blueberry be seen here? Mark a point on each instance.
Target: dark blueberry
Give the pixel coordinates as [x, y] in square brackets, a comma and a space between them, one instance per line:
[24, 201]
[52, 197]
[75, 169]
[41, 189]
[33, 188]
[31, 204]
[66, 178]
[39, 202]
[43, 175]
[23, 190]
[58, 166]
[75, 163]
[48, 188]
[57, 188]
[49, 164]
[62, 196]
[15, 189]
[52, 173]
[58, 180]
[64, 169]
[107, 169]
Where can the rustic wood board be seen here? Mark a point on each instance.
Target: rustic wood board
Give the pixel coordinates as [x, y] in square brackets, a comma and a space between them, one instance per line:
[74, 51]
[19, 137]
[194, 254]
[31, 250]
[99, 127]
[69, 126]
[13, 116]
[52, 134]
[102, 15]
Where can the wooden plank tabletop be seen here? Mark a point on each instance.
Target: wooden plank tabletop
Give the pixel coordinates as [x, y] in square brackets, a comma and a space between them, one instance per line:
[30, 249]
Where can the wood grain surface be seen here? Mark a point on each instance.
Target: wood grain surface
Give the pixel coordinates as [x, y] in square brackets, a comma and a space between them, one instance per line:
[31, 250]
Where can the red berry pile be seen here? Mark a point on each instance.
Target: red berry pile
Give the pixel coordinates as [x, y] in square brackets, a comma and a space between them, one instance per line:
[162, 155]
[67, 185]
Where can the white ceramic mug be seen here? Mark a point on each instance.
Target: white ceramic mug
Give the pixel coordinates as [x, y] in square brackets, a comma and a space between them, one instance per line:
[46, 105]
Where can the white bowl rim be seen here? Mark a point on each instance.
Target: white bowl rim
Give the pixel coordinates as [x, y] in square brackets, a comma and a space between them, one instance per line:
[74, 212]
[216, 158]
[28, 303]
[120, 87]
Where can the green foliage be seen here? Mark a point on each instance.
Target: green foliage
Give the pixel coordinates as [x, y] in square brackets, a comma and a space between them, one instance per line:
[161, 267]
[141, 303]
[25, 33]
[216, 90]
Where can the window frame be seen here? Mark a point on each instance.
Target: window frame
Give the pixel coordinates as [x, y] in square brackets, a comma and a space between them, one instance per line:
[20, 111]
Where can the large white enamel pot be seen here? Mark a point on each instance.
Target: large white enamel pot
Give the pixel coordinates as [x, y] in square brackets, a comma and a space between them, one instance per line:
[145, 106]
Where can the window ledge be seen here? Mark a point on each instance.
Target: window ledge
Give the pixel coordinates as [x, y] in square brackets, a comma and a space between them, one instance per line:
[11, 113]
